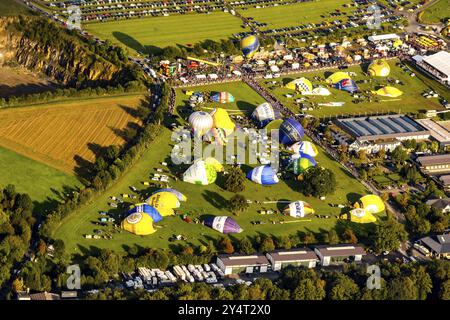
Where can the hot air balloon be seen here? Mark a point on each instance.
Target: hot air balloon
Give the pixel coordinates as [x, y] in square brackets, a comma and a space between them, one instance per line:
[217, 136]
[223, 224]
[291, 131]
[298, 209]
[265, 113]
[164, 202]
[379, 68]
[361, 216]
[388, 91]
[304, 147]
[147, 209]
[346, 85]
[214, 163]
[200, 173]
[264, 175]
[222, 120]
[249, 46]
[178, 194]
[300, 84]
[319, 91]
[222, 97]
[337, 76]
[301, 163]
[372, 203]
[201, 122]
[138, 223]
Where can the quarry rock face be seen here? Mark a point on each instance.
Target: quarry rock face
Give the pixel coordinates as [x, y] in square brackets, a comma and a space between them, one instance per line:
[70, 63]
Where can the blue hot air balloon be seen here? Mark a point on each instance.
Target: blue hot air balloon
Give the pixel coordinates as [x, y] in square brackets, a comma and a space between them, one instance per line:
[264, 175]
[346, 85]
[146, 208]
[291, 131]
[223, 224]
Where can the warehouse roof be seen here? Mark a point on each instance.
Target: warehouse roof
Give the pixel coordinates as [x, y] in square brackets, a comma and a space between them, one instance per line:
[437, 131]
[243, 260]
[440, 61]
[434, 160]
[380, 37]
[299, 254]
[381, 127]
[340, 250]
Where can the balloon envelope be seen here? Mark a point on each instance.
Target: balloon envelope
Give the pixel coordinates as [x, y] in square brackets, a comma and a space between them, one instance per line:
[178, 194]
[302, 163]
[164, 202]
[222, 120]
[264, 175]
[200, 173]
[372, 203]
[291, 131]
[201, 122]
[298, 209]
[138, 223]
[300, 84]
[361, 216]
[217, 136]
[346, 85]
[223, 224]
[265, 113]
[304, 147]
[147, 209]
[222, 97]
[249, 46]
[379, 68]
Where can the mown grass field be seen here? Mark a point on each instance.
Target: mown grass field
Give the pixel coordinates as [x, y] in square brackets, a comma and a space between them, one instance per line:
[296, 14]
[205, 200]
[12, 8]
[438, 12]
[43, 183]
[150, 34]
[65, 135]
[411, 100]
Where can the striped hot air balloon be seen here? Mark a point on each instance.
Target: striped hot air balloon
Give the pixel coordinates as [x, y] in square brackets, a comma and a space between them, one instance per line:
[249, 46]
[201, 122]
[223, 224]
[264, 175]
[222, 97]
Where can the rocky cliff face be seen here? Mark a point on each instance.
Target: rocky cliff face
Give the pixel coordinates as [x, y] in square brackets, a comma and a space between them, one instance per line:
[69, 62]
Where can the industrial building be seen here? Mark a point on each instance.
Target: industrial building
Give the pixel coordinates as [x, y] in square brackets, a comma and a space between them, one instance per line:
[336, 254]
[435, 164]
[386, 132]
[438, 130]
[233, 264]
[294, 257]
[437, 65]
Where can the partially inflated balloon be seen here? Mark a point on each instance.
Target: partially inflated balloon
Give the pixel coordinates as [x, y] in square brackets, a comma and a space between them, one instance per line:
[304, 147]
[201, 122]
[200, 173]
[249, 45]
[138, 223]
[265, 113]
[302, 163]
[298, 209]
[222, 97]
[222, 224]
[264, 175]
[147, 209]
[178, 194]
[222, 120]
[291, 131]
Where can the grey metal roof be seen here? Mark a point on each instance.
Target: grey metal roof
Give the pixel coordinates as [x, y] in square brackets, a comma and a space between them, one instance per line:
[299, 254]
[433, 160]
[340, 250]
[439, 244]
[236, 260]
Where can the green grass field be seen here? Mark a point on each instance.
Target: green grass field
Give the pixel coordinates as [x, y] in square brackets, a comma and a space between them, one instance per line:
[296, 14]
[150, 34]
[204, 200]
[41, 182]
[438, 12]
[12, 8]
[411, 100]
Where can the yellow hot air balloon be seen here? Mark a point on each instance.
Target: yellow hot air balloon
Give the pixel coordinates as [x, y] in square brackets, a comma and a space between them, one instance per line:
[372, 203]
[361, 216]
[214, 163]
[164, 202]
[222, 120]
[249, 45]
[300, 84]
[379, 68]
[337, 76]
[138, 223]
[388, 91]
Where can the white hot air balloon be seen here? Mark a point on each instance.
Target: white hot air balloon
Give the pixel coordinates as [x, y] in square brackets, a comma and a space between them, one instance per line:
[201, 122]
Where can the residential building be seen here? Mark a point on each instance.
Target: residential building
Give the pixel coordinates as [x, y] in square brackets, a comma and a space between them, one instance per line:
[439, 245]
[336, 254]
[294, 257]
[442, 205]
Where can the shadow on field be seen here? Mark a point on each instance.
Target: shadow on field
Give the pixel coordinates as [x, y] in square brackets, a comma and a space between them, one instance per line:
[132, 43]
